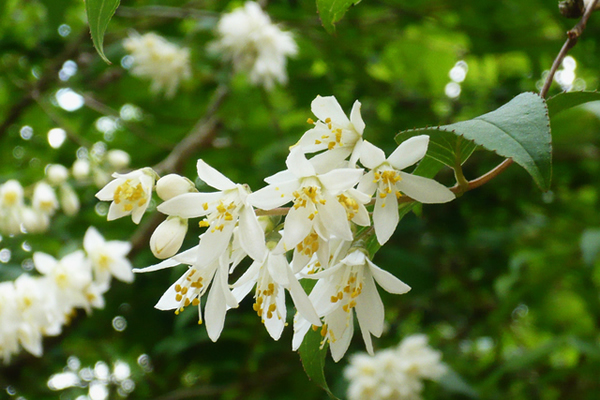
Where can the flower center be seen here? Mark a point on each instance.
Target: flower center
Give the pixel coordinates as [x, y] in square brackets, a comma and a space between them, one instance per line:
[309, 245]
[130, 194]
[265, 296]
[349, 204]
[387, 180]
[189, 291]
[223, 215]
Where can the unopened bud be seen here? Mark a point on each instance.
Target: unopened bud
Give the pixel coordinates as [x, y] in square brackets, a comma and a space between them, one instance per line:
[168, 237]
[57, 174]
[69, 200]
[173, 185]
[81, 169]
[118, 159]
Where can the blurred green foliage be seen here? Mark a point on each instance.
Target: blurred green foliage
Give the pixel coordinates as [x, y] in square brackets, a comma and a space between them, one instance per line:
[505, 280]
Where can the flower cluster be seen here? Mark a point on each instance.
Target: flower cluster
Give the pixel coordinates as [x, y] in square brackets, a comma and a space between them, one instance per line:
[35, 306]
[164, 63]
[255, 45]
[394, 374]
[325, 231]
[29, 209]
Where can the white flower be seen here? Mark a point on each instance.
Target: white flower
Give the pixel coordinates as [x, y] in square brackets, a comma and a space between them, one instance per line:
[342, 137]
[224, 210]
[168, 237]
[173, 185]
[57, 174]
[391, 183]
[68, 278]
[44, 199]
[130, 194]
[255, 45]
[270, 277]
[107, 258]
[35, 221]
[345, 286]
[394, 373]
[164, 63]
[11, 207]
[193, 284]
[316, 205]
[11, 194]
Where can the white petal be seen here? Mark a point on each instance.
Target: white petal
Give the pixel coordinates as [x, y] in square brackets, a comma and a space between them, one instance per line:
[108, 192]
[330, 159]
[301, 301]
[424, 190]
[278, 268]
[367, 184]
[92, 239]
[369, 307]
[43, 262]
[371, 156]
[301, 327]
[340, 179]
[281, 177]
[387, 281]
[116, 211]
[334, 217]
[118, 248]
[252, 237]
[215, 311]
[297, 226]
[190, 205]
[168, 263]
[274, 325]
[273, 196]
[298, 164]
[250, 275]
[366, 335]
[121, 269]
[138, 212]
[385, 217]
[312, 140]
[356, 118]
[213, 244]
[167, 300]
[328, 107]
[340, 346]
[409, 152]
[212, 177]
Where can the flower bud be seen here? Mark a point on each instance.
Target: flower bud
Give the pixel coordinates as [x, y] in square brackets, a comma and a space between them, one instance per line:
[57, 174]
[69, 201]
[11, 194]
[81, 169]
[118, 159]
[173, 185]
[44, 198]
[168, 237]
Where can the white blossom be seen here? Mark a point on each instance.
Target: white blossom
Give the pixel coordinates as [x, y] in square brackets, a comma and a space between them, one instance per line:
[44, 199]
[130, 194]
[173, 185]
[81, 169]
[164, 63]
[385, 177]
[107, 257]
[57, 174]
[168, 237]
[255, 45]
[118, 159]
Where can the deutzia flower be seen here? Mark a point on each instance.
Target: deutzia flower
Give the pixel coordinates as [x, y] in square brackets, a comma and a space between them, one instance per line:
[345, 286]
[334, 131]
[107, 258]
[316, 206]
[11, 207]
[224, 210]
[168, 237]
[44, 199]
[158, 60]
[193, 284]
[255, 45]
[130, 194]
[271, 276]
[390, 182]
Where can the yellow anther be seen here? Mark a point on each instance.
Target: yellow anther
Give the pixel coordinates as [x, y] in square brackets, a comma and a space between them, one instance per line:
[195, 302]
[310, 121]
[203, 224]
[178, 288]
[205, 206]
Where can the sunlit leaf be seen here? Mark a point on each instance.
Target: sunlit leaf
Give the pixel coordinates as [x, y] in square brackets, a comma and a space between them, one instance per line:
[331, 11]
[564, 101]
[99, 13]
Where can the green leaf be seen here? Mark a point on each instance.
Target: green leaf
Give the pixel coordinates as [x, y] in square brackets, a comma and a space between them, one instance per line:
[590, 245]
[99, 13]
[313, 359]
[564, 101]
[453, 382]
[331, 11]
[519, 130]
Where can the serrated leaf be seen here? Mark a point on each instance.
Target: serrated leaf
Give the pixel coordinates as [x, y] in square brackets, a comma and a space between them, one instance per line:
[519, 130]
[313, 359]
[331, 11]
[564, 101]
[99, 13]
